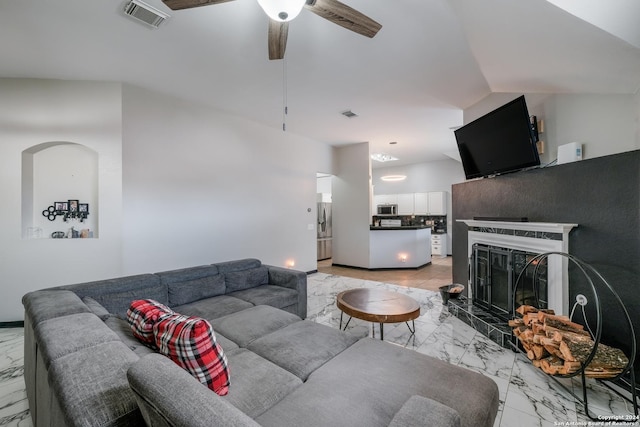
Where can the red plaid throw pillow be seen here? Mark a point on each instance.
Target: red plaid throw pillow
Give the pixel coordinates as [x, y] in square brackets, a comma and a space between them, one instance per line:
[191, 343]
[142, 315]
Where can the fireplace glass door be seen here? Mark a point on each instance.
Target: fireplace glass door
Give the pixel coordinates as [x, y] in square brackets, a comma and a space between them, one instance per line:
[494, 275]
[492, 278]
[532, 288]
[501, 278]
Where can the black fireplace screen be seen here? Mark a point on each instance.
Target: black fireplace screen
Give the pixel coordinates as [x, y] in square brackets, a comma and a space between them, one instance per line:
[493, 276]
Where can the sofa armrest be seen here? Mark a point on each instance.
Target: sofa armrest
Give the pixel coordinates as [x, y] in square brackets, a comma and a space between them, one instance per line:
[169, 396]
[292, 279]
[420, 410]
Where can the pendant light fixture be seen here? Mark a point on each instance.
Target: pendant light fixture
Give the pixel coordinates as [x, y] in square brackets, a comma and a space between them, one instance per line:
[282, 10]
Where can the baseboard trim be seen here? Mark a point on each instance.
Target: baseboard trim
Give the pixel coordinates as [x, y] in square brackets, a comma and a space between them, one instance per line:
[16, 324]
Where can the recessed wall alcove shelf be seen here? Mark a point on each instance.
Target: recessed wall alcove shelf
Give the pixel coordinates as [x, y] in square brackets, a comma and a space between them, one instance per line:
[51, 172]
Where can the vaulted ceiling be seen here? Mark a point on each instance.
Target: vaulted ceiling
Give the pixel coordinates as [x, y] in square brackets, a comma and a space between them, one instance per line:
[408, 84]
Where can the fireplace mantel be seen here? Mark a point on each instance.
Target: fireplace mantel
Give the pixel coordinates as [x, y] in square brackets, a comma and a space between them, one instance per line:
[534, 237]
[546, 227]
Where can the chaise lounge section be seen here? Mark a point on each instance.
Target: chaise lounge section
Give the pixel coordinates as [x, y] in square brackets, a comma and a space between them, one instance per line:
[83, 367]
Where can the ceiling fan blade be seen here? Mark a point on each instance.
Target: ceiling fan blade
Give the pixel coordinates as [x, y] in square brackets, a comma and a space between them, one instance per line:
[345, 16]
[277, 38]
[188, 4]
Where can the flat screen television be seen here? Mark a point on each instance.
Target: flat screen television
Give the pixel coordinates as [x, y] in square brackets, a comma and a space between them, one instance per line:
[499, 142]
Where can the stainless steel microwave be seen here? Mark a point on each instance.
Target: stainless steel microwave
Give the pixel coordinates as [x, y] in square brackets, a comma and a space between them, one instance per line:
[388, 209]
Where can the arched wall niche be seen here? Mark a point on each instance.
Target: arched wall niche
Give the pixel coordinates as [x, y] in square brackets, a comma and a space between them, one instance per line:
[58, 171]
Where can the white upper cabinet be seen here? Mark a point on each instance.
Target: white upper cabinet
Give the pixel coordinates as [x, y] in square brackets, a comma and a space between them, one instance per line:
[437, 203]
[385, 199]
[405, 204]
[432, 203]
[421, 203]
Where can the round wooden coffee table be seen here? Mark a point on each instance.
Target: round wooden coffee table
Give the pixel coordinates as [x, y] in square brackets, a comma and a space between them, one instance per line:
[378, 306]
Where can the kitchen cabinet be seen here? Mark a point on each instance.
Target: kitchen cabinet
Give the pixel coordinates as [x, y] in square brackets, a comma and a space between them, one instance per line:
[421, 203]
[385, 199]
[437, 203]
[439, 245]
[405, 204]
[432, 203]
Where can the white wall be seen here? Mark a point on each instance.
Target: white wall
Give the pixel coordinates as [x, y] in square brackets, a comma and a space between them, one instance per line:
[351, 206]
[421, 177]
[34, 112]
[201, 186]
[179, 185]
[324, 184]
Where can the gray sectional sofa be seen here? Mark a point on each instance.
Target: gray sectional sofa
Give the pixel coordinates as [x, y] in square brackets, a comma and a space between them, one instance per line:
[83, 367]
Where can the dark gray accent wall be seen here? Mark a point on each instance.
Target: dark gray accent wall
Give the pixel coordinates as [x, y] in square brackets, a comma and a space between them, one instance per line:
[601, 195]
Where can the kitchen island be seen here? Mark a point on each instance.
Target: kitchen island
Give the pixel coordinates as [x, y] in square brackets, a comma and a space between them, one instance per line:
[399, 247]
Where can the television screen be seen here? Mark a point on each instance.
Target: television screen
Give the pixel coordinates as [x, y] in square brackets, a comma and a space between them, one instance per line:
[499, 142]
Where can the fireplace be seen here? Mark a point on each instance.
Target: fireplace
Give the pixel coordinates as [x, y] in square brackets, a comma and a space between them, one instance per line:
[493, 276]
[498, 251]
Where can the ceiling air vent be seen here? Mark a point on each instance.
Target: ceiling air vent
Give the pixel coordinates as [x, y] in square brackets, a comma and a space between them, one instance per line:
[350, 114]
[145, 13]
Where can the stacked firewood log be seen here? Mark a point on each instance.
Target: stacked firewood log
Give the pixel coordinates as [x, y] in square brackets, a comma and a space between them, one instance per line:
[559, 346]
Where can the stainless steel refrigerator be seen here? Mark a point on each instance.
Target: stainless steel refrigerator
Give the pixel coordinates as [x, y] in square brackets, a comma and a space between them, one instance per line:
[325, 235]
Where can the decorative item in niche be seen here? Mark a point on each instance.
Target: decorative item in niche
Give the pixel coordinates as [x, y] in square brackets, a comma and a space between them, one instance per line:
[71, 209]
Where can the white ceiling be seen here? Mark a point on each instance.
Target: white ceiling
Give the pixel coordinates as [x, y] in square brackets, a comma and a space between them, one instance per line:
[408, 84]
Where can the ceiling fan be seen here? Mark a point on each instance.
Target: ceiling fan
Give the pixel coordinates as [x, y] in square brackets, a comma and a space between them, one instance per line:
[280, 12]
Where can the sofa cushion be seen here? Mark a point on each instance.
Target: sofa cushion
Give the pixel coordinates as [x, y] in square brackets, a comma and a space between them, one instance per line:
[47, 304]
[91, 387]
[196, 289]
[185, 274]
[191, 343]
[96, 308]
[247, 325]
[276, 296]
[385, 376]
[418, 409]
[213, 308]
[116, 294]
[257, 383]
[123, 330]
[192, 284]
[302, 347]
[245, 279]
[237, 265]
[142, 315]
[60, 336]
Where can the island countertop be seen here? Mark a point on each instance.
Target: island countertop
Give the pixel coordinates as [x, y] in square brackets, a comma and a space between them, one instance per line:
[404, 227]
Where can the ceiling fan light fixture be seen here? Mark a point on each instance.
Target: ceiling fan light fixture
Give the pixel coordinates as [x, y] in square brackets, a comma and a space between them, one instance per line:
[282, 10]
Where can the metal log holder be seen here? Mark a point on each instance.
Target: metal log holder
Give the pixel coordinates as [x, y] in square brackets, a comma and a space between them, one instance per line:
[596, 282]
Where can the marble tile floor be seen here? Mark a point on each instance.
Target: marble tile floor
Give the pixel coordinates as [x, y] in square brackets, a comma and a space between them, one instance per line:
[527, 396]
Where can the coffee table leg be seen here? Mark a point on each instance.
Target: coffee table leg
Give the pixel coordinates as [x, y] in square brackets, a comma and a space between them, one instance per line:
[381, 331]
[348, 321]
[413, 331]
